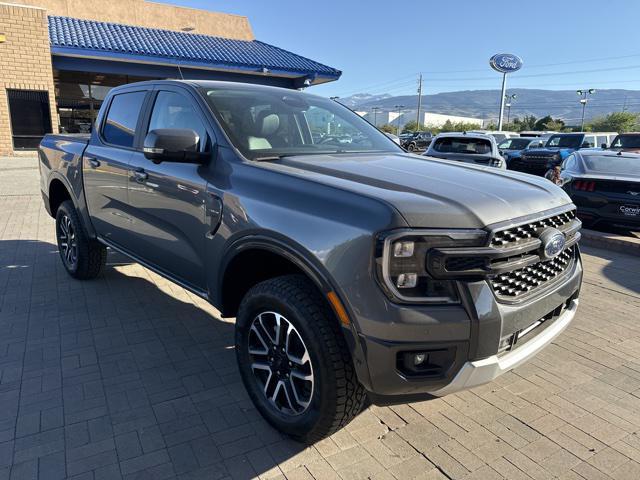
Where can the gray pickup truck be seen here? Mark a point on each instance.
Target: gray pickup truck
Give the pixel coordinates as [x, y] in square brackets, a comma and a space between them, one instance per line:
[354, 270]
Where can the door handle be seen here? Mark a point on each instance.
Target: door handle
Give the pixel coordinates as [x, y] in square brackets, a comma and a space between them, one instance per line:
[94, 162]
[141, 175]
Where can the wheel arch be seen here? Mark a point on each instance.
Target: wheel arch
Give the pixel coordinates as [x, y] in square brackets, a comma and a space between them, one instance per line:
[229, 294]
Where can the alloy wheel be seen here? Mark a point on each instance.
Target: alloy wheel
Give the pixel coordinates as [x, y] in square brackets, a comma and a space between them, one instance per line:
[67, 241]
[280, 363]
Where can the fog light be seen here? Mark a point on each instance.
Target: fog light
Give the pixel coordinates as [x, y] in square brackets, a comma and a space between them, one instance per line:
[403, 249]
[407, 280]
[419, 358]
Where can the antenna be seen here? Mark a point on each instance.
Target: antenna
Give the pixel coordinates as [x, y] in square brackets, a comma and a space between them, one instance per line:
[180, 72]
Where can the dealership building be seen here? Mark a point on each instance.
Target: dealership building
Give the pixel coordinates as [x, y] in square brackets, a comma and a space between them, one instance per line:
[59, 58]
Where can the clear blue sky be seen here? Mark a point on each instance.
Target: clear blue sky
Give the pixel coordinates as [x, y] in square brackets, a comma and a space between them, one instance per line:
[380, 46]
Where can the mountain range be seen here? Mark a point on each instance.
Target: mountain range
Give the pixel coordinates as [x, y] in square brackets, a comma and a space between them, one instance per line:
[563, 104]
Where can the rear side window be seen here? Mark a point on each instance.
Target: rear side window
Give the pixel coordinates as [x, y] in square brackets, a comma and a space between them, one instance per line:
[120, 126]
[462, 145]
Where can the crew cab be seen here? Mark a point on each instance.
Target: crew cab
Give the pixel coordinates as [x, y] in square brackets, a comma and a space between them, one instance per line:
[538, 161]
[353, 270]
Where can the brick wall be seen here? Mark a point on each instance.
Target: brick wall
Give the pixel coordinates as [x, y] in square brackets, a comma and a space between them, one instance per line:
[25, 62]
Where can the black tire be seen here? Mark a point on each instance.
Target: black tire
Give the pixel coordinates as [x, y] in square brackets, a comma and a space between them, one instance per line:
[90, 256]
[336, 395]
[411, 147]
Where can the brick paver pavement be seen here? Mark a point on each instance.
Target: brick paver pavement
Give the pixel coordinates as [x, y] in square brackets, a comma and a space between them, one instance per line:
[131, 376]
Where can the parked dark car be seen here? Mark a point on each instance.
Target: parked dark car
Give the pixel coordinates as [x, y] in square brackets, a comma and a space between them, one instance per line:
[352, 269]
[513, 147]
[538, 161]
[418, 141]
[605, 186]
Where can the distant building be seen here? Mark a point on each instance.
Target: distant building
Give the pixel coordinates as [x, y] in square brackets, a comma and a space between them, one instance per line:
[427, 118]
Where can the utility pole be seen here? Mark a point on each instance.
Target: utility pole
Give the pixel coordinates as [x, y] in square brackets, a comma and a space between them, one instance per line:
[399, 107]
[419, 101]
[375, 115]
[583, 101]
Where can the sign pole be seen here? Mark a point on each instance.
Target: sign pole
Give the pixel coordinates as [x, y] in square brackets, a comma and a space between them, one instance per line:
[502, 100]
[504, 63]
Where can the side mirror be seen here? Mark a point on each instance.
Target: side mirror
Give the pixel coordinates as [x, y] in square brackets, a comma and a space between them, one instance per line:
[604, 145]
[173, 145]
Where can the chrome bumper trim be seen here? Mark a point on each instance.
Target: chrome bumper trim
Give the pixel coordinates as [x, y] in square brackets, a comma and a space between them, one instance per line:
[478, 372]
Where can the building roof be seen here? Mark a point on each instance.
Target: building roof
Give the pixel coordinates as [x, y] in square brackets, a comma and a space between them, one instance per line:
[74, 36]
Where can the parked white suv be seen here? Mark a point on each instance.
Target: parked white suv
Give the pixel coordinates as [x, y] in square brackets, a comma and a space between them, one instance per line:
[476, 148]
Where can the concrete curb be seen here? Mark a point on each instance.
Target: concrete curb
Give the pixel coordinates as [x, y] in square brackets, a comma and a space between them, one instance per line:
[610, 241]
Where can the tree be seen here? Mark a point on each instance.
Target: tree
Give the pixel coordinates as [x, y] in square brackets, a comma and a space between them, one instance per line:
[412, 126]
[615, 122]
[388, 128]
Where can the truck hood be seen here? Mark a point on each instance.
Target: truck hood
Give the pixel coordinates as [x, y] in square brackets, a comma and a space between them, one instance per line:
[430, 192]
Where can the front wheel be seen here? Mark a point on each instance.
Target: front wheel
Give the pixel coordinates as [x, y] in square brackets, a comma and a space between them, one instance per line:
[294, 361]
[411, 147]
[82, 257]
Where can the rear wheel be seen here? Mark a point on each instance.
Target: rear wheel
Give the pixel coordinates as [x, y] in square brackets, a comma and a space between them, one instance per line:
[82, 257]
[294, 360]
[411, 147]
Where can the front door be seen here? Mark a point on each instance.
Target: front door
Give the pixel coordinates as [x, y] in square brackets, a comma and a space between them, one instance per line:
[106, 163]
[169, 200]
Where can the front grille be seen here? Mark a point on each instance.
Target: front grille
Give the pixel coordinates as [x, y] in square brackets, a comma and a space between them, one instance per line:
[517, 283]
[458, 264]
[523, 233]
[537, 158]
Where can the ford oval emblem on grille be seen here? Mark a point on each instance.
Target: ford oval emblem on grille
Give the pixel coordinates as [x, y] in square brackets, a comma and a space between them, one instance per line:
[553, 242]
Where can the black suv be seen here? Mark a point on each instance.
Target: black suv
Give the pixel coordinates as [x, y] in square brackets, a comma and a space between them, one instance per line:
[417, 141]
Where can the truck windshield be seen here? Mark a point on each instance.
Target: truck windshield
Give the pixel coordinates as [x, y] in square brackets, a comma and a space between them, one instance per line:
[514, 144]
[264, 123]
[565, 141]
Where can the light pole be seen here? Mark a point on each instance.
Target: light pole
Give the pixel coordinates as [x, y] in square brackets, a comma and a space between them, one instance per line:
[375, 115]
[399, 107]
[583, 101]
[509, 99]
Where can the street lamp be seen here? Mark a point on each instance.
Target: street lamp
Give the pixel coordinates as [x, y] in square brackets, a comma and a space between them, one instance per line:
[509, 98]
[583, 101]
[375, 111]
[399, 108]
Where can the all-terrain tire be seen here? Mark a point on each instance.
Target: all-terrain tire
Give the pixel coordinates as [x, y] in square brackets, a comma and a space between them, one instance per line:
[90, 255]
[337, 396]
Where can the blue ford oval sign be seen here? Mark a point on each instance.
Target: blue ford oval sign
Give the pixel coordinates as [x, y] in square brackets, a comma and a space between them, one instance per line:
[505, 62]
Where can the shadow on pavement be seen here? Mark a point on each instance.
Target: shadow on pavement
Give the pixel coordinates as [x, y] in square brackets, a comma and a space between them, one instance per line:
[123, 374]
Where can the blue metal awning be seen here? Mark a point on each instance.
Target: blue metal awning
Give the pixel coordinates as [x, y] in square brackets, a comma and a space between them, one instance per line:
[100, 41]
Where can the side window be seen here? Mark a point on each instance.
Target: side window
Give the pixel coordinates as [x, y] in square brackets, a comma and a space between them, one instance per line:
[602, 139]
[120, 125]
[589, 141]
[172, 110]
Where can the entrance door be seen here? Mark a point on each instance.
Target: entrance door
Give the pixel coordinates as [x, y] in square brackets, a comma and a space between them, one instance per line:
[30, 117]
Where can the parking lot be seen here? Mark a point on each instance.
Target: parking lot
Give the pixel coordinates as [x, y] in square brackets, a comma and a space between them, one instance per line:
[131, 376]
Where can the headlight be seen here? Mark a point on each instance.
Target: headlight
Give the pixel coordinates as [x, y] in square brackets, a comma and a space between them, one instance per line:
[401, 263]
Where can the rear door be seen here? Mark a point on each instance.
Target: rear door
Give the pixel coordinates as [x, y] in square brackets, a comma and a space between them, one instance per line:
[106, 163]
[169, 200]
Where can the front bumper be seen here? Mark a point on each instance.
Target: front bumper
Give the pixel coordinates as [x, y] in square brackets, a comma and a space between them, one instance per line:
[478, 372]
[471, 333]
